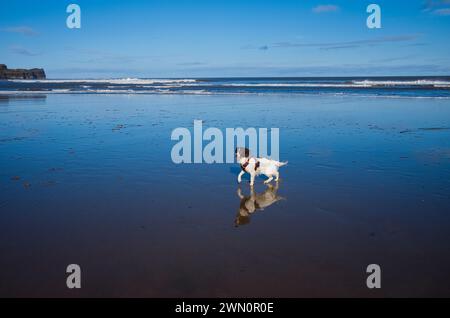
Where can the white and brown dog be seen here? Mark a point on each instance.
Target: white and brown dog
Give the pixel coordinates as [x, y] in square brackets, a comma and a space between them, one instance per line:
[257, 166]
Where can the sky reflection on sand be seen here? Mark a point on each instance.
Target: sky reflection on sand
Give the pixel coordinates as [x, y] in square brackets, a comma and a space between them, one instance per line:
[88, 179]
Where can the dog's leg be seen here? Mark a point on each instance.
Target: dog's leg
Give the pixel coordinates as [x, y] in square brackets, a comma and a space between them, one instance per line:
[277, 176]
[276, 186]
[252, 179]
[240, 176]
[268, 180]
[239, 193]
[252, 194]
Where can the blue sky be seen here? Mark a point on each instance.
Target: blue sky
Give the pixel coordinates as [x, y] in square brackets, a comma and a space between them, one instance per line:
[197, 38]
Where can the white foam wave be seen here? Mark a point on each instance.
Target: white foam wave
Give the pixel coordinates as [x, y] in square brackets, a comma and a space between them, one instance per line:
[343, 85]
[353, 84]
[423, 82]
[177, 83]
[131, 81]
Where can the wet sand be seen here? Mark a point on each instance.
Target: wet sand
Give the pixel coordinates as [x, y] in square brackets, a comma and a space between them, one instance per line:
[88, 179]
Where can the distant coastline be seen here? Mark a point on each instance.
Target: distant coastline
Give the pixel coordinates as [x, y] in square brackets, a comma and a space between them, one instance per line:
[34, 73]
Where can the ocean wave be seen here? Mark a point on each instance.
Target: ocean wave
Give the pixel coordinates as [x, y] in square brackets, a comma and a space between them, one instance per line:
[421, 82]
[318, 85]
[353, 84]
[130, 81]
[189, 82]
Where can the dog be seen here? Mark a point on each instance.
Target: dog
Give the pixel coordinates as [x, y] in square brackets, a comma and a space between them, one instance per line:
[255, 202]
[257, 166]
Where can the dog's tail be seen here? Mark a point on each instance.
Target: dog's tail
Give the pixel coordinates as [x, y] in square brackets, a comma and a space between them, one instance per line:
[280, 164]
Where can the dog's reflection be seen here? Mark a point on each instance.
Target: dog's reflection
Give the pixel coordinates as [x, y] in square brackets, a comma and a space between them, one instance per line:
[255, 201]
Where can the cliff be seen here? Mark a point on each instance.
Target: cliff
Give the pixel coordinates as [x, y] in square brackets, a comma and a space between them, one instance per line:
[34, 73]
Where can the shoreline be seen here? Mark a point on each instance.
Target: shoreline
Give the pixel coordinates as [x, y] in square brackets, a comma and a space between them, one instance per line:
[134, 93]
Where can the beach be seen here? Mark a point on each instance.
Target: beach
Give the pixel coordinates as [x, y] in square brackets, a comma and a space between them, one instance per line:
[88, 179]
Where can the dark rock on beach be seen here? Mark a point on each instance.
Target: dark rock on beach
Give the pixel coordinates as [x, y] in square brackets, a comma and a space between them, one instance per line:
[34, 73]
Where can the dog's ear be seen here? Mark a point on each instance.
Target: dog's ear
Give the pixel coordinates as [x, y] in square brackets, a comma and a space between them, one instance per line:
[247, 152]
[241, 220]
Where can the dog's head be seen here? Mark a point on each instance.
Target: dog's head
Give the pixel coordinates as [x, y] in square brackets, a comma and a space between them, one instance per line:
[241, 220]
[242, 152]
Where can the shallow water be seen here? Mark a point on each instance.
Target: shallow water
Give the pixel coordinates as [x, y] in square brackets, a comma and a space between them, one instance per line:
[88, 179]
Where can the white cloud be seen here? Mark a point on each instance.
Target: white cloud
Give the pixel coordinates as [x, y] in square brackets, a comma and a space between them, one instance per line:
[444, 11]
[325, 8]
[17, 49]
[25, 30]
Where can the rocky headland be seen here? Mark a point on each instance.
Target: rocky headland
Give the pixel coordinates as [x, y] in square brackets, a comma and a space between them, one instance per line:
[34, 73]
